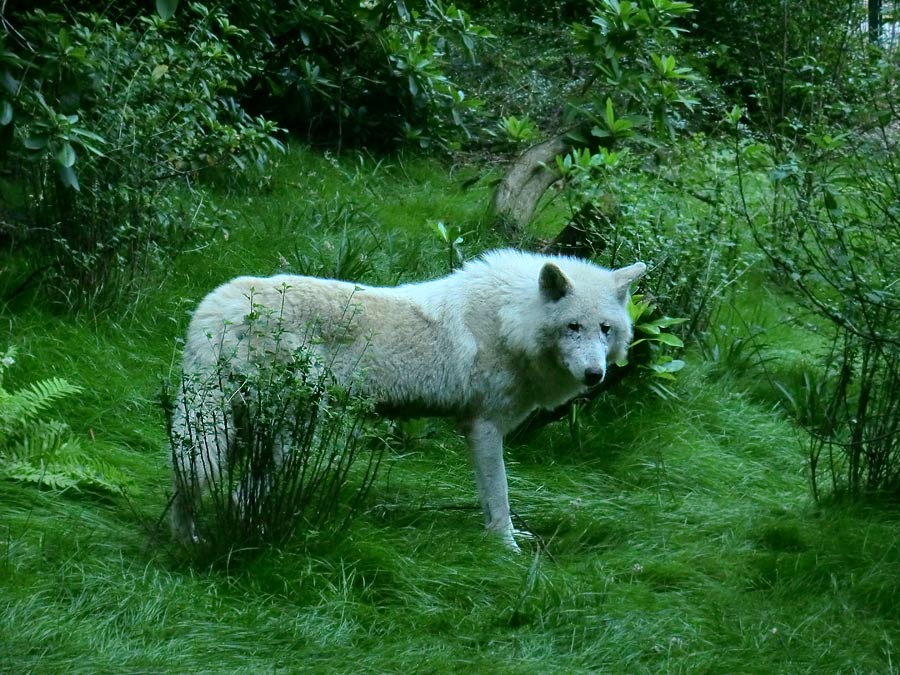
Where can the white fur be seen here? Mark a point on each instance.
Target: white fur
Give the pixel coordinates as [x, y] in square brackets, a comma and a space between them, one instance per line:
[486, 345]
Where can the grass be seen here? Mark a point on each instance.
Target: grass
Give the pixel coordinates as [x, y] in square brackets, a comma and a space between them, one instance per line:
[680, 535]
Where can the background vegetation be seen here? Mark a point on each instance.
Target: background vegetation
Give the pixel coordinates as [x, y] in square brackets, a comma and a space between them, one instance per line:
[727, 505]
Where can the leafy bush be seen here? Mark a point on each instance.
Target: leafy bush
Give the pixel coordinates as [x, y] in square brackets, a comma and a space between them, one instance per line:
[653, 343]
[767, 55]
[519, 130]
[283, 444]
[635, 94]
[99, 118]
[831, 228]
[687, 236]
[35, 449]
[638, 80]
[360, 73]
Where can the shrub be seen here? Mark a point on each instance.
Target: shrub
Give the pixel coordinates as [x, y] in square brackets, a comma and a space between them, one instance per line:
[831, 228]
[360, 73]
[99, 118]
[293, 447]
[767, 55]
[683, 230]
[638, 80]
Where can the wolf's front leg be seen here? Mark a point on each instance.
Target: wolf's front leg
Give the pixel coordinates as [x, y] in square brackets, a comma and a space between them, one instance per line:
[486, 446]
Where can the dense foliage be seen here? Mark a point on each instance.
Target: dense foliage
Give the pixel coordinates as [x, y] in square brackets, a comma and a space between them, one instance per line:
[99, 120]
[831, 229]
[360, 73]
[637, 79]
[769, 55]
[108, 120]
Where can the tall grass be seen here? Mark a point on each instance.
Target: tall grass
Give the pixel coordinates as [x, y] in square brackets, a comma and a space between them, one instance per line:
[677, 536]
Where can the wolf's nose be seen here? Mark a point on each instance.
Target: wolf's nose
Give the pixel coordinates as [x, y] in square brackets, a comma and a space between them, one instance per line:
[593, 377]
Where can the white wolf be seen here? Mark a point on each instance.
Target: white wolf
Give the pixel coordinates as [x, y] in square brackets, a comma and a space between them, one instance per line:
[504, 335]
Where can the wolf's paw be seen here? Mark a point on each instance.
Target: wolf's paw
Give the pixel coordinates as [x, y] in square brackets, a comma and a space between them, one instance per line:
[188, 537]
[506, 533]
[512, 545]
[526, 535]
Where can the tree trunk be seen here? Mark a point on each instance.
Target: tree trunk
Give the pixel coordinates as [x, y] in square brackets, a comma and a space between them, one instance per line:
[579, 236]
[874, 7]
[520, 190]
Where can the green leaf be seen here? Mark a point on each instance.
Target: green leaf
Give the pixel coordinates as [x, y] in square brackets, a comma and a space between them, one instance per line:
[6, 113]
[648, 328]
[159, 71]
[166, 8]
[672, 366]
[667, 321]
[669, 339]
[638, 306]
[66, 155]
[441, 229]
[84, 133]
[610, 115]
[68, 178]
[36, 142]
[622, 125]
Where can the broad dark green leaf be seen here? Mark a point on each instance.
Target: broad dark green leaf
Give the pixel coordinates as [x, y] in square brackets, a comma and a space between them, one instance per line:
[669, 339]
[68, 177]
[35, 142]
[66, 155]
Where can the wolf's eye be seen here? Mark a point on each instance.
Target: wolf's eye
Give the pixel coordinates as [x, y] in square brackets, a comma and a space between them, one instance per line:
[574, 327]
[605, 328]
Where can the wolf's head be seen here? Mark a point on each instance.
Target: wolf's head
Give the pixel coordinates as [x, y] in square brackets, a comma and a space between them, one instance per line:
[586, 320]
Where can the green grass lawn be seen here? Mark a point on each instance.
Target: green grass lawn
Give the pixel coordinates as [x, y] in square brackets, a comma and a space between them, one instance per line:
[679, 534]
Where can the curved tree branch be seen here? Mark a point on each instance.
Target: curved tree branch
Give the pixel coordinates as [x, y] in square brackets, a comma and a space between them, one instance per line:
[519, 191]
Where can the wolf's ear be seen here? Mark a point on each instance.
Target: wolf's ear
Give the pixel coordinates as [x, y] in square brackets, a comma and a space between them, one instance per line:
[553, 283]
[623, 278]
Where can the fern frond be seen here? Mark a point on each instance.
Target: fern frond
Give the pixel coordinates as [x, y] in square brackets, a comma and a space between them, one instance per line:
[40, 474]
[68, 466]
[24, 405]
[42, 439]
[34, 449]
[101, 475]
